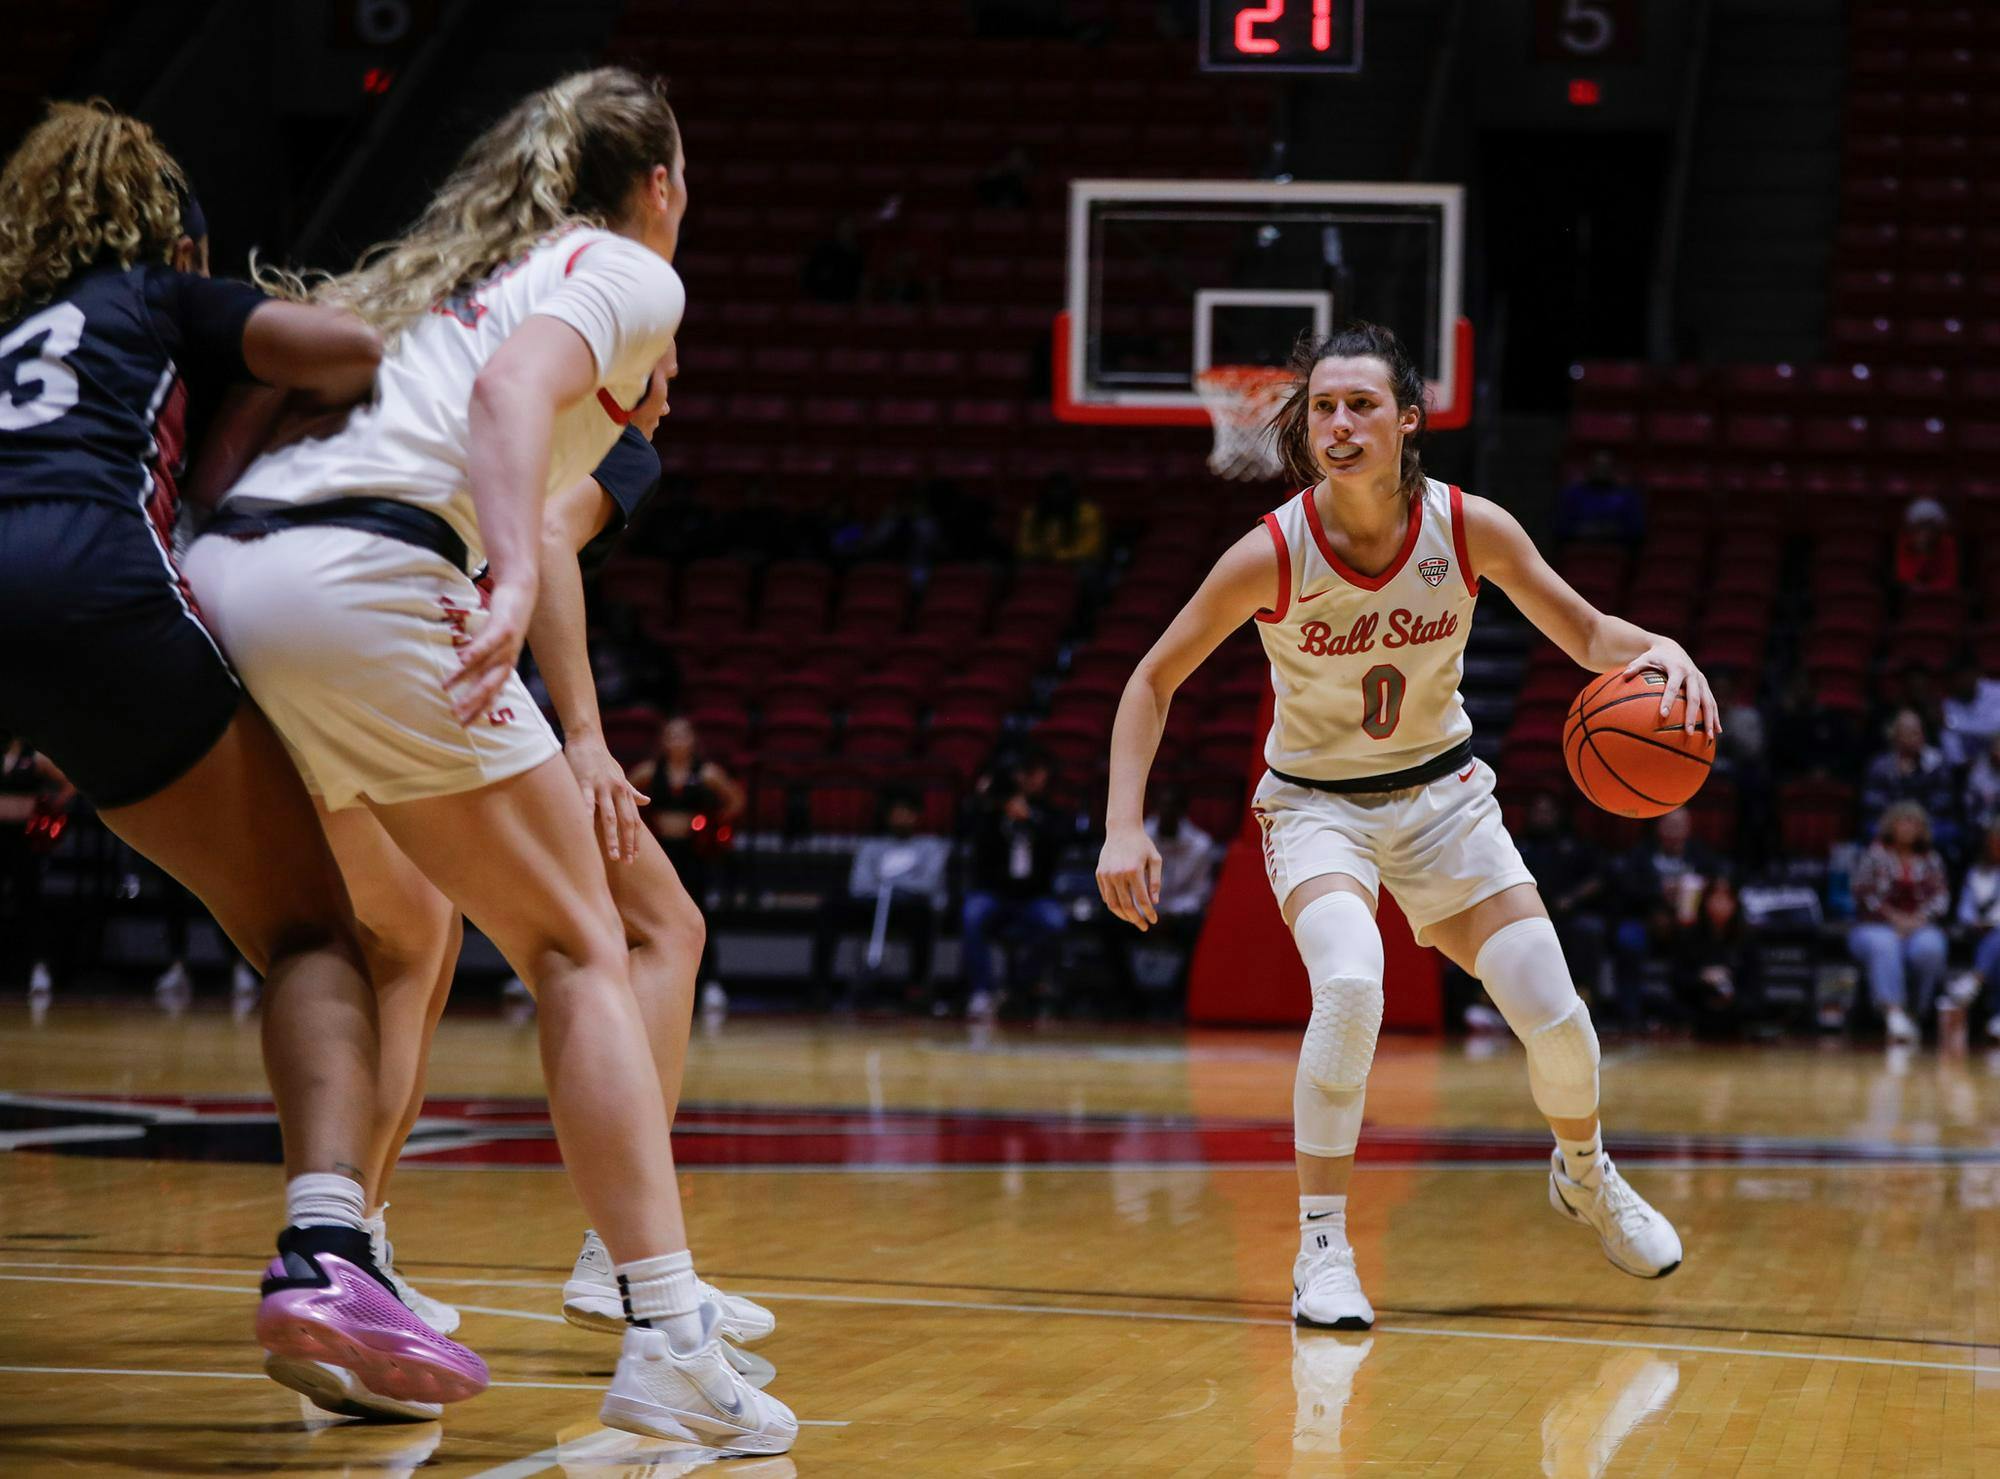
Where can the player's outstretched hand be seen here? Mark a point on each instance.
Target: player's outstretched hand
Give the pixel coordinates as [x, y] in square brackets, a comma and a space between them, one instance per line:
[489, 659]
[1128, 876]
[614, 801]
[1671, 658]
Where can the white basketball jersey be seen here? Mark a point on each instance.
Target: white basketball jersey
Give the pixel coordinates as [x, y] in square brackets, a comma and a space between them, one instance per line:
[1366, 668]
[409, 441]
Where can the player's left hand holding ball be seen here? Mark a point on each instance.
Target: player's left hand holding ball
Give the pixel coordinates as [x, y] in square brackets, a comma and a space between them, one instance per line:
[1669, 657]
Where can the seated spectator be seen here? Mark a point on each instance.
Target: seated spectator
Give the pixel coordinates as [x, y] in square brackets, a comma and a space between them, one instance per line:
[1661, 883]
[1899, 895]
[1017, 841]
[1926, 549]
[1982, 789]
[836, 266]
[1714, 969]
[897, 883]
[1571, 878]
[691, 807]
[1740, 755]
[34, 800]
[1911, 770]
[1979, 916]
[1063, 526]
[1602, 505]
[1971, 713]
[1188, 857]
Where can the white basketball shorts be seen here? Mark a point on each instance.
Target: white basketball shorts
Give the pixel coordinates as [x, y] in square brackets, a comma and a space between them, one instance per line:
[345, 640]
[1440, 848]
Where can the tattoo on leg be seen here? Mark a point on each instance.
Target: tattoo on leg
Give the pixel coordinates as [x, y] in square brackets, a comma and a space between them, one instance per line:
[344, 1168]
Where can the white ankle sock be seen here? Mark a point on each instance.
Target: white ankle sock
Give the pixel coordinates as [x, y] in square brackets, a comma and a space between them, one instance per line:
[1322, 1223]
[661, 1292]
[1583, 1160]
[322, 1199]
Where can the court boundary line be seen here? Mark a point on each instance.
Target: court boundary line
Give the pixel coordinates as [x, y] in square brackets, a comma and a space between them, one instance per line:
[1972, 1368]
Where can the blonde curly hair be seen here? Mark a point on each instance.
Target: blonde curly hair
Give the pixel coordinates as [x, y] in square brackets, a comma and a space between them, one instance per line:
[570, 153]
[87, 185]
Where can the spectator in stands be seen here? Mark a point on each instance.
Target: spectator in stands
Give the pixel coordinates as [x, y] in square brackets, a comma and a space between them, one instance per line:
[1979, 917]
[836, 266]
[1602, 505]
[1926, 548]
[1571, 877]
[1982, 789]
[1715, 966]
[1971, 713]
[1740, 756]
[1662, 882]
[1187, 857]
[897, 883]
[1017, 840]
[1807, 739]
[692, 807]
[34, 796]
[1911, 770]
[1062, 526]
[1900, 893]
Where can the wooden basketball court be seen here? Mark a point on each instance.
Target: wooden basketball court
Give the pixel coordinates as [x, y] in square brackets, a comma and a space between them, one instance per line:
[1044, 1252]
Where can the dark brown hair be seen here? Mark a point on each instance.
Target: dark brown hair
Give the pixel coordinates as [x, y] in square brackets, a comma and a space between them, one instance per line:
[1352, 341]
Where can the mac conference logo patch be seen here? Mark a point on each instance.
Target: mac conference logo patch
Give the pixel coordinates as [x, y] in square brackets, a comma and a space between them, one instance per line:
[1434, 571]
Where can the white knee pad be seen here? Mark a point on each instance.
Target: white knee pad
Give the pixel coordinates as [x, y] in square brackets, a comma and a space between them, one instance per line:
[1523, 970]
[1342, 950]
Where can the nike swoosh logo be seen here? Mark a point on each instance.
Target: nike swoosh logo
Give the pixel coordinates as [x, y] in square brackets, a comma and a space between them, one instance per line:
[1468, 772]
[1315, 1216]
[1315, 595]
[733, 1408]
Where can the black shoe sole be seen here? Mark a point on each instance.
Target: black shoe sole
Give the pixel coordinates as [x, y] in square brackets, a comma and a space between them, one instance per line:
[1349, 1322]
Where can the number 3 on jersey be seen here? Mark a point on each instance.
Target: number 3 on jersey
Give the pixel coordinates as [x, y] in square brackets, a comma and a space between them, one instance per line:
[36, 390]
[1381, 700]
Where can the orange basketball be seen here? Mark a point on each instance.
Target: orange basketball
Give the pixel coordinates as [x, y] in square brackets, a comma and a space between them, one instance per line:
[1627, 756]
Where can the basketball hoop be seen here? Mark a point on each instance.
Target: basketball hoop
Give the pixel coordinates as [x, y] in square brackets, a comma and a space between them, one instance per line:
[1242, 401]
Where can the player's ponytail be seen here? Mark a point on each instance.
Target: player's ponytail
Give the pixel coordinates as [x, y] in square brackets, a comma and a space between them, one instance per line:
[1354, 341]
[88, 185]
[569, 153]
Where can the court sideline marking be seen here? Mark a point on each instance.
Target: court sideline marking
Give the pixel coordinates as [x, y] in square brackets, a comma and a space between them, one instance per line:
[1157, 1316]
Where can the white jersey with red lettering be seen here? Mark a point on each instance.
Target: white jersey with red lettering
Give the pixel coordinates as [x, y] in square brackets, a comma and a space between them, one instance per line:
[1366, 668]
[409, 441]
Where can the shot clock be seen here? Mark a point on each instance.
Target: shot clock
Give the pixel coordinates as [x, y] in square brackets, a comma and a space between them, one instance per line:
[1281, 36]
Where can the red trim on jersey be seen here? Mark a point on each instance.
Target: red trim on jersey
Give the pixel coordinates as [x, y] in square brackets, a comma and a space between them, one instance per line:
[1347, 572]
[1458, 541]
[1284, 572]
[570, 265]
[611, 407]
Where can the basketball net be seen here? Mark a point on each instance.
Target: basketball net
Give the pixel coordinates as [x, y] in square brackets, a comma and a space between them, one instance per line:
[1242, 401]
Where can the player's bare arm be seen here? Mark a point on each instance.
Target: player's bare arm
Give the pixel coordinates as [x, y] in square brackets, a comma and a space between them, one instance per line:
[544, 366]
[328, 352]
[1502, 552]
[1243, 582]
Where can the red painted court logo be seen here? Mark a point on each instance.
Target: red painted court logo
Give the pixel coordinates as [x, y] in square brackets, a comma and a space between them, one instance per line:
[1434, 570]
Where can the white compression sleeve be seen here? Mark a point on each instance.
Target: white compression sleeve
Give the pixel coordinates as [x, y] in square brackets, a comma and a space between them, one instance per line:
[1522, 967]
[1342, 951]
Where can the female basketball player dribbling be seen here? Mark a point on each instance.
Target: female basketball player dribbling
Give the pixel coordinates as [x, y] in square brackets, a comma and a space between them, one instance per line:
[525, 312]
[1364, 613]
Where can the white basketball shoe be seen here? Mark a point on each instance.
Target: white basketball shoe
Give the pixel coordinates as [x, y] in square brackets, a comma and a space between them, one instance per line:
[591, 1299]
[435, 1313]
[1326, 1290]
[1637, 1240]
[694, 1397]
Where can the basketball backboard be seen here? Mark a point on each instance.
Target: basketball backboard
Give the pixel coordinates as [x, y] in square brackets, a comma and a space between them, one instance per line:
[1168, 278]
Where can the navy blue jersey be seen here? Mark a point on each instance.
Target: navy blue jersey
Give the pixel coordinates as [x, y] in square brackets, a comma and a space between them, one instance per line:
[630, 476]
[94, 384]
